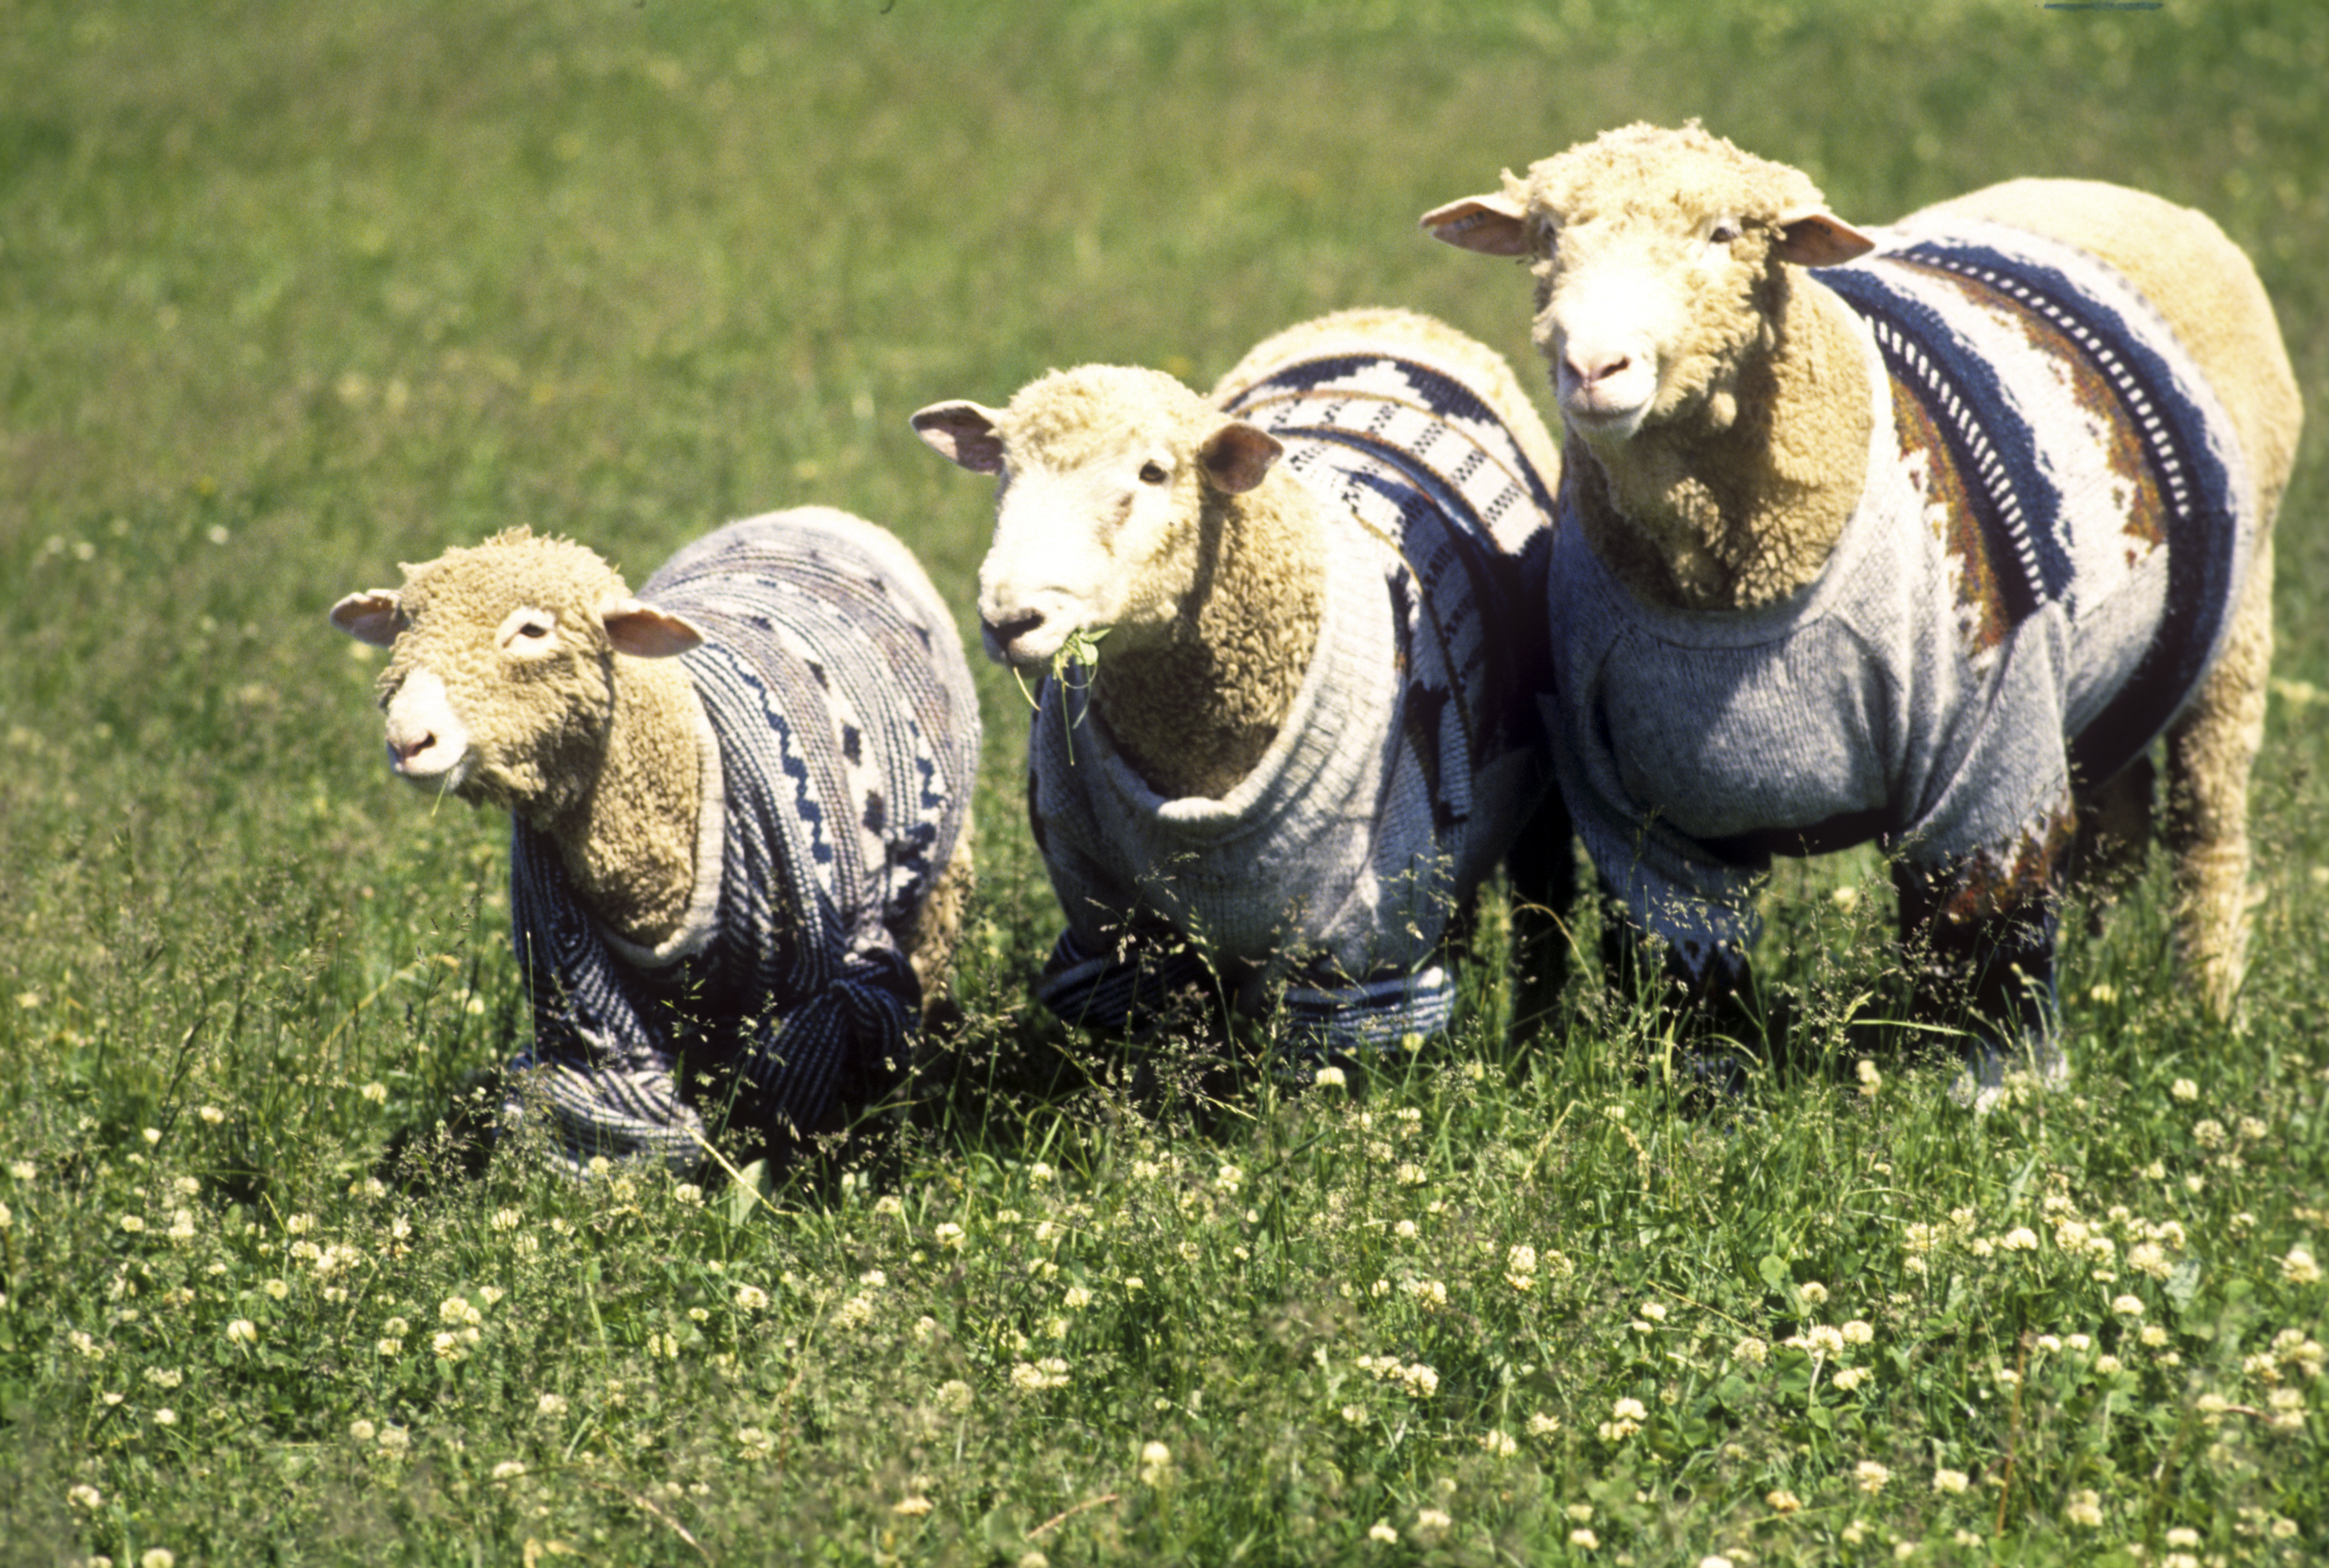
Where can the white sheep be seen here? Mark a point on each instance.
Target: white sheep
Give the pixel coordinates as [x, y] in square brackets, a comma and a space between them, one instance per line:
[740, 844]
[1311, 733]
[1926, 547]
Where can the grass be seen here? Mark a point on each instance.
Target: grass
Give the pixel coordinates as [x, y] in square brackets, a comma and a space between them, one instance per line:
[289, 294]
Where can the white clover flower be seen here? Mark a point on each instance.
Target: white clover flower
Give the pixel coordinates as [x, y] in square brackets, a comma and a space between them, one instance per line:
[1945, 1480]
[1858, 1332]
[1872, 1082]
[750, 1298]
[1381, 1531]
[948, 1234]
[550, 1404]
[1824, 1338]
[1498, 1444]
[888, 1205]
[2085, 1511]
[2020, 1239]
[2127, 1306]
[1782, 1501]
[509, 1469]
[2108, 1365]
[1421, 1380]
[1541, 1425]
[1848, 1378]
[1329, 1078]
[1409, 1174]
[1656, 1312]
[1229, 1178]
[755, 1441]
[242, 1331]
[2298, 1268]
[1155, 1464]
[1584, 1539]
[86, 1497]
[853, 1314]
[395, 1441]
[954, 1397]
[1872, 1477]
[911, 1507]
[1431, 1523]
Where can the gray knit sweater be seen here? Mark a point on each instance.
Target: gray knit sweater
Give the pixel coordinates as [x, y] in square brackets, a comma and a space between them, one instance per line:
[1410, 758]
[2054, 531]
[839, 746]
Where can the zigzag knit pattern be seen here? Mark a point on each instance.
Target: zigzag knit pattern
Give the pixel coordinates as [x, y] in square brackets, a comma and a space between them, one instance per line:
[833, 678]
[2043, 563]
[1409, 759]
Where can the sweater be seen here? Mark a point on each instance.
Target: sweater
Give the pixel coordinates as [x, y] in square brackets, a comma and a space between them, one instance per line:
[1409, 759]
[839, 743]
[2046, 556]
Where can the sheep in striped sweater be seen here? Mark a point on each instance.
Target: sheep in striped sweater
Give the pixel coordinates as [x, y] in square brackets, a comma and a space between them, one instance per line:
[1312, 731]
[1925, 547]
[740, 844]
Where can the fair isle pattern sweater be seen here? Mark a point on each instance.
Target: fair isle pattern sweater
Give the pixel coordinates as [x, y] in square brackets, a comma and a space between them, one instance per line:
[2055, 529]
[1409, 758]
[840, 741]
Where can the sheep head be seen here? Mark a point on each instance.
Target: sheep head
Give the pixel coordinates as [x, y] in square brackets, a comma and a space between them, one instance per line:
[1659, 257]
[1106, 476]
[500, 686]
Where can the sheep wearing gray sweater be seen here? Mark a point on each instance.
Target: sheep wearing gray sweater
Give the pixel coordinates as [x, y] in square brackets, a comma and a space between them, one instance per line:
[1925, 547]
[1312, 731]
[740, 844]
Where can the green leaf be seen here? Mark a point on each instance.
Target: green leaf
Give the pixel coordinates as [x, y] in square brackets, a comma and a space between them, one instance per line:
[1774, 1269]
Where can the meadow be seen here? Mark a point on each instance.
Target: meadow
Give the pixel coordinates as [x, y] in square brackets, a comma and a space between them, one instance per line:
[289, 294]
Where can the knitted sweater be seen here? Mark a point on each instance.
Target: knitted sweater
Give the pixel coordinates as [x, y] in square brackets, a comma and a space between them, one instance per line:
[1409, 759]
[2051, 540]
[839, 741]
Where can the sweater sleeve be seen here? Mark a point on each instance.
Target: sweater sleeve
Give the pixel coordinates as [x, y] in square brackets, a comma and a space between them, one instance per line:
[597, 1071]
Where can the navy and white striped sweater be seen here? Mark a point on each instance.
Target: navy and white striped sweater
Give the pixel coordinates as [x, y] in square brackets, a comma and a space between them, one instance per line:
[1412, 756]
[2054, 533]
[840, 745]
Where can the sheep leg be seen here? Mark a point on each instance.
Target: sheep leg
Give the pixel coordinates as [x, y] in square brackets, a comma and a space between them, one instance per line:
[1542, 868]
[1979, 946]
[2211, 748]
[2113, 833]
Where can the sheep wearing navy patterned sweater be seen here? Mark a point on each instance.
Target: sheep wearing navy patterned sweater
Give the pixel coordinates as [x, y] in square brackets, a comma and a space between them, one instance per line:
[740, 805]
[1311, 734]
[1925, 548]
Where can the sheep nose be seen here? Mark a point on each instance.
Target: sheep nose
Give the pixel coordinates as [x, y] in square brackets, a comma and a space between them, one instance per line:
[399, 755]
[1589, 367]
[1005, 633]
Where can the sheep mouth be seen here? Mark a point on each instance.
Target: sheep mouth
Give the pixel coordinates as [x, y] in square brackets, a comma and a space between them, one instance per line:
[1026, 642]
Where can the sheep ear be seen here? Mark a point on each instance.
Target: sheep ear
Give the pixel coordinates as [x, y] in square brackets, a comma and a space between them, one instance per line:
[645, 631]
[1494, 225]
[375, 616]
[1237, 455]
[1815, 237]
[963, 432]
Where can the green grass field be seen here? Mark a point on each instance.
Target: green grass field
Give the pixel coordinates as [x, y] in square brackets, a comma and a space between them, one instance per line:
[289, 294]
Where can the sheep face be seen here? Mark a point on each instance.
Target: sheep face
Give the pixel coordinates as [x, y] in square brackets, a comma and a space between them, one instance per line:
[1106, 476]
[1656, 254]
[500, 687]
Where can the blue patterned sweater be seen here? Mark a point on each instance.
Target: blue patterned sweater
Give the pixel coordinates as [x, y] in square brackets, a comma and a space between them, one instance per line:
[839, 748]
[2053, 534]
[1410, 758]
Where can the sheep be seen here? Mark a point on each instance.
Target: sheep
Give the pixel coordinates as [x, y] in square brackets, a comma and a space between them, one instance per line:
[1311, 734]
[740, 813]
[1925, 547]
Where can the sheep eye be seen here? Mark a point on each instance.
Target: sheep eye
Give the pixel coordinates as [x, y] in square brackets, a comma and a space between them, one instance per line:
[1152, 473]
[1723, 232]
[528, 630]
